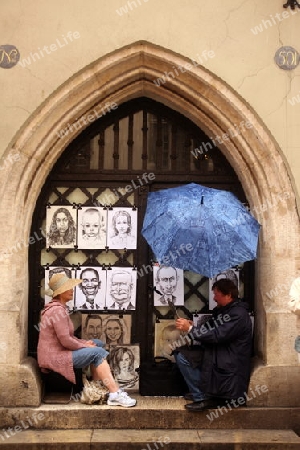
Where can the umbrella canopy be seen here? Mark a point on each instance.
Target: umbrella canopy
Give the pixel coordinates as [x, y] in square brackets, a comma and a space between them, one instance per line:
[201, 229]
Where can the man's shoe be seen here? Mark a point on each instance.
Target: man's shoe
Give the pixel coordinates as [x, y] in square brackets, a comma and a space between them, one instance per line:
[198, 406]
[188, 396]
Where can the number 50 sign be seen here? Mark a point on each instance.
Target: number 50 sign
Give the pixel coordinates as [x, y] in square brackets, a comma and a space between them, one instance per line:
[287, 58]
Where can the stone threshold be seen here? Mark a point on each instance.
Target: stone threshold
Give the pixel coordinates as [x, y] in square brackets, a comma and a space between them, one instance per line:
[111, 439]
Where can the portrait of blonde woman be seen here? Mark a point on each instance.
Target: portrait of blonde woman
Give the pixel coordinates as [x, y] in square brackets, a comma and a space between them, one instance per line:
[116, 329]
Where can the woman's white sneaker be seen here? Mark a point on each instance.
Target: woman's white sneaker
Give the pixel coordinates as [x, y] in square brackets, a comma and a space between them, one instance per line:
[121, 399]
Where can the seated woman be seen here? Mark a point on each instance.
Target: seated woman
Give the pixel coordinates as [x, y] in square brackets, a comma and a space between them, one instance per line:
[59, 350]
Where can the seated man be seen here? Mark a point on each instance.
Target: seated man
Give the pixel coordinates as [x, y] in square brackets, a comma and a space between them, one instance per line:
[217, 370]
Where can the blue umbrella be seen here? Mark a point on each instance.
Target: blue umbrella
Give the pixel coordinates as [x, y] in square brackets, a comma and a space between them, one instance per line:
[201, 229]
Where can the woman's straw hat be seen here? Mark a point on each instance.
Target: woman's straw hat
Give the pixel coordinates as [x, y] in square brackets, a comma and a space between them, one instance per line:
[60, 283]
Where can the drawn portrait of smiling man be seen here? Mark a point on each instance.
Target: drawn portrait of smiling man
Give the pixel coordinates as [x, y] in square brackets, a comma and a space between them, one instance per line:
[90, 294]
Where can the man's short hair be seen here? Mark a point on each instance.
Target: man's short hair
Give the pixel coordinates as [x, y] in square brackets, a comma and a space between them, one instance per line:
[227, 287]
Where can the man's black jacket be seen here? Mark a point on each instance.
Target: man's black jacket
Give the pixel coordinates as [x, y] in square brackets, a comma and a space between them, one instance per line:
[225, 351]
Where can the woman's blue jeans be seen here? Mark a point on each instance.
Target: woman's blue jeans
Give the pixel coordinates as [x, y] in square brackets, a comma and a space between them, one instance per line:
[191, 375]
[83, 357]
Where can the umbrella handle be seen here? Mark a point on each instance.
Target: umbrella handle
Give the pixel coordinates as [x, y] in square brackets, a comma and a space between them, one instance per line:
[174, 310]
[154, 289]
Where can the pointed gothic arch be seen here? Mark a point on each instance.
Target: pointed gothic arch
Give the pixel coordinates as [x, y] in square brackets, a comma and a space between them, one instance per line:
[211, 104]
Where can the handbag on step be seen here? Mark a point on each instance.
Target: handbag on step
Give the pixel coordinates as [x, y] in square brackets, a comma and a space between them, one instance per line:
[93, 392]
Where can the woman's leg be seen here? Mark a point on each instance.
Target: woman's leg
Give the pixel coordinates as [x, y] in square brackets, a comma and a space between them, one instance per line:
[117, 397]
[103, 373]
[95, 357]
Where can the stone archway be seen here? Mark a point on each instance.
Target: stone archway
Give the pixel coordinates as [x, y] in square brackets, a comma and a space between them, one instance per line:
[128, 73]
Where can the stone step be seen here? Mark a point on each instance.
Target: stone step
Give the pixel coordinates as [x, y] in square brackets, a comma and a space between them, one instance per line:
[165, 413]
[155, 439]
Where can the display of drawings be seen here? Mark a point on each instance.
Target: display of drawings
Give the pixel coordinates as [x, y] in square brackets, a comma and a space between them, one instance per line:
[169, 285]
[124, 361]
[115, 331]
[112, 329]
[100, 288]
[91, 227]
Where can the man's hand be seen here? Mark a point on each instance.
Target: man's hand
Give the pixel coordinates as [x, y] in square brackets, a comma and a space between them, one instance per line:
[183, 324]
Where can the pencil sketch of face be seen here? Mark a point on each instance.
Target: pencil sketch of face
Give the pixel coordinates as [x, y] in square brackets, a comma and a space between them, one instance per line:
[90, 284]
[115, 329]
[91, 223]
[92, 327]
[92, 230]
[169, 335]
[62, 228]
[121, 287]
[62, 222]
[123, 362]
[166, 279]
[123, 228]
[126, 361]
[121, 223]
[114, 332]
